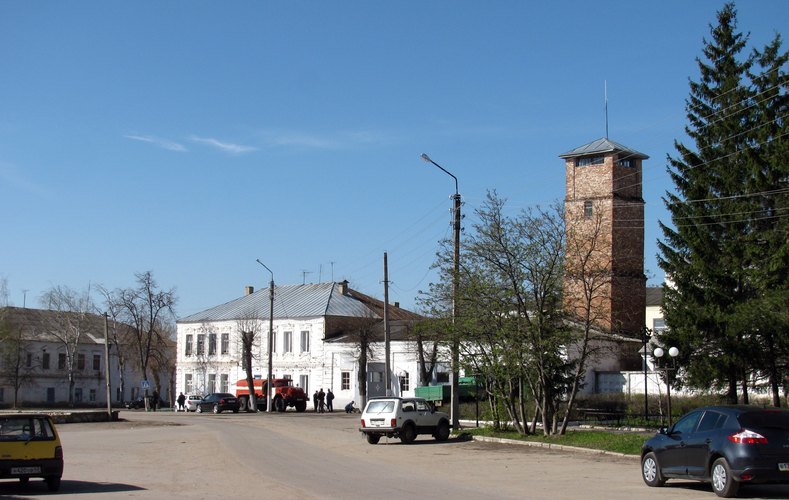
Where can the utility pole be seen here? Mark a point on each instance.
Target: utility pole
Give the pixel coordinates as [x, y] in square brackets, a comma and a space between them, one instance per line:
[107, 367]
[270, 374]
[387, 340]
[455, 345]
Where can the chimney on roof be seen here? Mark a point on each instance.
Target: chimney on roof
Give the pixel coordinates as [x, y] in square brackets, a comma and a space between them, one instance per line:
[344, 287]
[397, 305]
[249, 290]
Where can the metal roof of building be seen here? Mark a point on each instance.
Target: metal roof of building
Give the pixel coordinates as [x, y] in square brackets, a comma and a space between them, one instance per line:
[654, 296]
[290, 302]
[603, 145]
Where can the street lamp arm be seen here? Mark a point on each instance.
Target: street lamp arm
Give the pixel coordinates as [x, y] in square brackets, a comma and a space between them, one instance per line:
[427, 159]
[267, 269]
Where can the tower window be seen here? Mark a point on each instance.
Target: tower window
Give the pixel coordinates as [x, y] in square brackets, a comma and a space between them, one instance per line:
[589, 160]
[588, 209]
[627, 163]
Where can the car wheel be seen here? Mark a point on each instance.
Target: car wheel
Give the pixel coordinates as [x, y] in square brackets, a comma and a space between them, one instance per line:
[301, 406]
[199, 409]
[53, 483]
[216, 409]
[723, 484]
[442, 431]
[650, 470]
[373, 438]
[408, 434]
[279, 404]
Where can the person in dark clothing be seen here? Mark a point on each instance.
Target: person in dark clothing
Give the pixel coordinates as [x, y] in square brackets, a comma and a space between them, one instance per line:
[321, 398]
[349, 407]
[329, 399]
[181, 401]
[315, 402]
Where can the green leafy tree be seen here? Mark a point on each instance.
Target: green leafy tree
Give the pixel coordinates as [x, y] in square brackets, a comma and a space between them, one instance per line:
[726, 205]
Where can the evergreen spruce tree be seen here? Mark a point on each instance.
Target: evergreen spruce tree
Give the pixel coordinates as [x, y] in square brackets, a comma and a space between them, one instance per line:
[768, 254]
[726, 217]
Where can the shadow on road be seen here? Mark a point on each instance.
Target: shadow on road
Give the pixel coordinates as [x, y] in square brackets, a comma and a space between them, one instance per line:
[17, 490]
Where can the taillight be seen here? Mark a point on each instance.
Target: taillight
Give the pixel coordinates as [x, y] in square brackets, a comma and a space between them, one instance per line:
[394, 423]
[58, 452]
[747, 437]
[363, 425]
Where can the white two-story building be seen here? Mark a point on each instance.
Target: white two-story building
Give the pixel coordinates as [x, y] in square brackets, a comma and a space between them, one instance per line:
[316, 333]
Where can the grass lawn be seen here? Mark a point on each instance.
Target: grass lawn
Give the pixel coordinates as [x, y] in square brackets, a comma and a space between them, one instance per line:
[628, 443]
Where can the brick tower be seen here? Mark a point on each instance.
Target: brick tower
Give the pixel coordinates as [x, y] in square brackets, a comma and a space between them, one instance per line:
[604, 213]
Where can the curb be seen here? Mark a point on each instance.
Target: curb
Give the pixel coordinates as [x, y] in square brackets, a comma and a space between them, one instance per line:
[550, 446]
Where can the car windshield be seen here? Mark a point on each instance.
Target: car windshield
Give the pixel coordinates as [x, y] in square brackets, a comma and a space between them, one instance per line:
[25, 429]
[765, 419]
[380, 407]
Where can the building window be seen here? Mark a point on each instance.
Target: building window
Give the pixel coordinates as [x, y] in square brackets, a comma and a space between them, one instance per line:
[92, 396]
[225, 343]
[345, 381]
[305, 341]
[188, 387]
[78, 395]
[96, 362]
[287, 342]
[2, 394]
[589, 160]
[287, 376]
[274, 342]
[626, 163]
[61, 361]
[404, 382]
[29, 360]
[200, 344]
[188, 346]
[376, 376]
[442, 377]
[80, 361]
[45, 361]
[659, 325]
[223, 382]
[588, 209]
[304, 382]
[212, 382]
[211, 344]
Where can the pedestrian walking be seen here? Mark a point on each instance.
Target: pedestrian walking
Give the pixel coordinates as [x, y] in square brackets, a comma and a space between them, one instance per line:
[315, 402]
[181, 401]
[329, 399]
[321, 398]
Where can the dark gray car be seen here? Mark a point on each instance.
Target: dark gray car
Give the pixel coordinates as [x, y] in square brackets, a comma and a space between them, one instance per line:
[218, 402]
[727, 446]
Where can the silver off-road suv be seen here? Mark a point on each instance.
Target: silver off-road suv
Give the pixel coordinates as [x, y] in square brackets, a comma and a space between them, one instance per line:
[403, 418]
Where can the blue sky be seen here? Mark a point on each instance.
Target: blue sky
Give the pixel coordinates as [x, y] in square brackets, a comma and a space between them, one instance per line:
[191, 138]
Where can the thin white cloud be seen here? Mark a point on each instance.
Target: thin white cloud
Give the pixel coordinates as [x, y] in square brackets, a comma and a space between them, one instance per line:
[162, 143]
[223, 146]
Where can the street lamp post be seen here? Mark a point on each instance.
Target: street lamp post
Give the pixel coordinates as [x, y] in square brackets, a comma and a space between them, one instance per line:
[673, 352]
[645, 338]
[455, 348]
[270, 376]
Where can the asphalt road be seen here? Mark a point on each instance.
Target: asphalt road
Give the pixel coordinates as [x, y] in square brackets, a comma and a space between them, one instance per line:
[166, 455]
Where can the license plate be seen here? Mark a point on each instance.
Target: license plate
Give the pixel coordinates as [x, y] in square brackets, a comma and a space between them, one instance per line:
[783, 467]
[377, 422]
[25, 470]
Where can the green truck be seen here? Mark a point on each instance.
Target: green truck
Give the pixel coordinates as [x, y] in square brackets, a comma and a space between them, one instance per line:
[439, 394]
